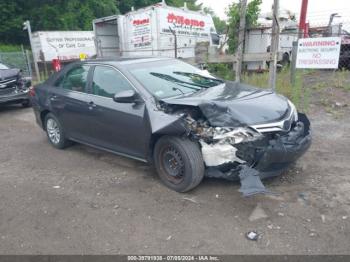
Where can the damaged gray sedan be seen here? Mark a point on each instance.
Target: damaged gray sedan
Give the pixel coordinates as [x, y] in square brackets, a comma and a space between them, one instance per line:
[186, 122]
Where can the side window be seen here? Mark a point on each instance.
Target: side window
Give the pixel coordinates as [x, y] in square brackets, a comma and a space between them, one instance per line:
[75, 79]
[108, 81]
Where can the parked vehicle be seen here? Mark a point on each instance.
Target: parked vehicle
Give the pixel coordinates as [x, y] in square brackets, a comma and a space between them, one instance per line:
[258, 40]
[167, 112]
[13, 86]
[150, 31]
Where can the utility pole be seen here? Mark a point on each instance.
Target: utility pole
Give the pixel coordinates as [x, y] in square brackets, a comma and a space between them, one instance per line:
[274, 45]
[175, 41]
[26, 26]
[302, 20]
[302, 33]
[239, 54]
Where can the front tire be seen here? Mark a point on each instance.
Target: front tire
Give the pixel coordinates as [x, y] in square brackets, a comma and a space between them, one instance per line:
[55, 132]
[179, 163]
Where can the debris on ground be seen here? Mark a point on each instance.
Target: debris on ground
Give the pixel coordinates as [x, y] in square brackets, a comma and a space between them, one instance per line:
[313, 232]
[250, 182]
[338, 104]
[270, 226]
[190, 199]
[257, 213]
[252, 235]
[304, 197]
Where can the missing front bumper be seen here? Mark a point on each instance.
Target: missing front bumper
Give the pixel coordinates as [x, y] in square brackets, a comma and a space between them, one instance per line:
[270, 160]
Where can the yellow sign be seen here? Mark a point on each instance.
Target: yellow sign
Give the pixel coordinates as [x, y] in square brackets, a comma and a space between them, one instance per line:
[83, 56]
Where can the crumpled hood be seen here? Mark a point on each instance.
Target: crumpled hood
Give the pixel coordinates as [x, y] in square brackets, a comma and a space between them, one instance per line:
[9, 73]
[236, 104]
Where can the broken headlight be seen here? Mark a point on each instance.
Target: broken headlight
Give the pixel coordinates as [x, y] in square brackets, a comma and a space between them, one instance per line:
[294, 110]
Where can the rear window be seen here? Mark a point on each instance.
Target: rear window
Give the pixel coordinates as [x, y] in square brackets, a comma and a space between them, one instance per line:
[75, 79]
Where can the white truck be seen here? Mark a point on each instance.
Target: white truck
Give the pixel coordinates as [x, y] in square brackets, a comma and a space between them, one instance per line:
[258, 40]
[154, 31]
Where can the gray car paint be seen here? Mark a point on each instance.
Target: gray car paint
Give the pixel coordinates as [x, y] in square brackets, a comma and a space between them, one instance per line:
[236, 104]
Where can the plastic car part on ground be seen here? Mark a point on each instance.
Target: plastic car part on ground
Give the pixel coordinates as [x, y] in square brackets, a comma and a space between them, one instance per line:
[250, 182]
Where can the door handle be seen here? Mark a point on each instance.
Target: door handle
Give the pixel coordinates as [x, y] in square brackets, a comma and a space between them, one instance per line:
[92, 105]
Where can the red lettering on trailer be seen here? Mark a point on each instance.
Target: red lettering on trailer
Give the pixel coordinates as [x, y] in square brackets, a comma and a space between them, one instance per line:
[140, 21]
[181, 20]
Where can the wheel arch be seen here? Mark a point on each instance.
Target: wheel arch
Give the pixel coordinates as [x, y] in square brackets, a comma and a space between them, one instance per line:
[43, 114]
[152, 143]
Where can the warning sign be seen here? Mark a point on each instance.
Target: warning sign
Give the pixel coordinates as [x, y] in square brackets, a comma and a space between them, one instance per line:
[318, 52]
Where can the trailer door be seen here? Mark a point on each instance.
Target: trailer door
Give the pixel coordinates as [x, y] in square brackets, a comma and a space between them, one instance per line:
[107, 39]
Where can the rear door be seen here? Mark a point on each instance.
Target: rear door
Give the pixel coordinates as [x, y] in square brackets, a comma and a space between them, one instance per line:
[115, 126]
[69, 101]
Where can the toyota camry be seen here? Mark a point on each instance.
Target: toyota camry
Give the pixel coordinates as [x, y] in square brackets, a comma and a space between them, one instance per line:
[184, 121]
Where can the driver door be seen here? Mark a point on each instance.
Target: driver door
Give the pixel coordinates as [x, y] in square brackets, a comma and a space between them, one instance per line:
[115, 126]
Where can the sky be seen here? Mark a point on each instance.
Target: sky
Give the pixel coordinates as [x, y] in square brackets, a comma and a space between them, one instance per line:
[318, 10]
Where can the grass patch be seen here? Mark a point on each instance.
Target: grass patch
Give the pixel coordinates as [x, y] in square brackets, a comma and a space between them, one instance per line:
[223, 71]
[9, 48]
[341, 79]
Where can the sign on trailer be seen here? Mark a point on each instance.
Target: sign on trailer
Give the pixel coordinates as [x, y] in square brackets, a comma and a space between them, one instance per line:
[320, 52]
[63, 45]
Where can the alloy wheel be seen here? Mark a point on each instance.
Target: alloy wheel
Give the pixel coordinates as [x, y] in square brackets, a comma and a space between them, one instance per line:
[53, 131]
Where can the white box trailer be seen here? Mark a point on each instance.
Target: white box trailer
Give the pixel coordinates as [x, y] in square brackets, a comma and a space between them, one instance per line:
[258, 40]
[148, 31]
[63, 45]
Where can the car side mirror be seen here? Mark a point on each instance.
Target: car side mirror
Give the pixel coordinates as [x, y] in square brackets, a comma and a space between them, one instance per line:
[128, 96]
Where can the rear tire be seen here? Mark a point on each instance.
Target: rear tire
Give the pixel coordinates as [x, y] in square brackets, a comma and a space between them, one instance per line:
[55, 132]
[179, 163]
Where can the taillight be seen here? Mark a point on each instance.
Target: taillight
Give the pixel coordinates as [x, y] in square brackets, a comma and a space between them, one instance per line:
[32, 91]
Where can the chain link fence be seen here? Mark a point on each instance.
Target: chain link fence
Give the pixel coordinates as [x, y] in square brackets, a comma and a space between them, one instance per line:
[22, 60]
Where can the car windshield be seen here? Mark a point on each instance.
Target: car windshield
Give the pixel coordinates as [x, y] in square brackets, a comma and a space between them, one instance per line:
[172, 78]
[3, 67]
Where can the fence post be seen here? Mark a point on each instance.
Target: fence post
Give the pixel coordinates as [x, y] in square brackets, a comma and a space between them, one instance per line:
[29, 64]
[274, 45]
[175, 41]
[239, 56]
[294, 63]
[28, 28]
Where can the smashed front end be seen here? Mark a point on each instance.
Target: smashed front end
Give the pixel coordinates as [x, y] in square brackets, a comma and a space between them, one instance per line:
[13, 86]
[247, 152]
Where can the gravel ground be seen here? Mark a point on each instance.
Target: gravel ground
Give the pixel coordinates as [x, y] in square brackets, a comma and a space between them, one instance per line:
[85, 201]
